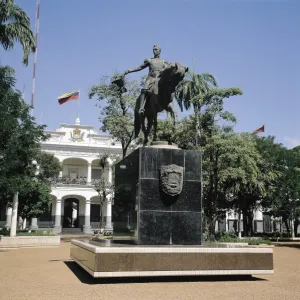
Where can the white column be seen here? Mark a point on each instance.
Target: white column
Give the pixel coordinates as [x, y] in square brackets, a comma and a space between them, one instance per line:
[53, 210]
[20, 223]
[108, 225]
[109, 178]
[8, 217]
[226, 221]
[89, 174]
[61, 172]
[108, 229]
[24, 223]
[87, 216]
[57, 224]
[102, 221]
[14, 216]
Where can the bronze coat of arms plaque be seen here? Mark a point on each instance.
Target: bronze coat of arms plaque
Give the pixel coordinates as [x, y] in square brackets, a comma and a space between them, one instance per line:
[171, 179]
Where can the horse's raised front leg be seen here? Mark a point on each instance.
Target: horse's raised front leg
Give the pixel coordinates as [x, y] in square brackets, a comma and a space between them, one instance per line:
[173, 113]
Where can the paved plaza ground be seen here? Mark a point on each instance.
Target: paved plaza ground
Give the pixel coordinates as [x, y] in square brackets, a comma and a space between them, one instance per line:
[49, 274]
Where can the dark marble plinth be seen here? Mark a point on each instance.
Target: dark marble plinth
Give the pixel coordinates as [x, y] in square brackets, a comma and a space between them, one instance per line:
[150, 216]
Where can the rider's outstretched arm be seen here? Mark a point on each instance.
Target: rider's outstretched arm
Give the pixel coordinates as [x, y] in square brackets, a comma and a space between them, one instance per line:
[141, 67]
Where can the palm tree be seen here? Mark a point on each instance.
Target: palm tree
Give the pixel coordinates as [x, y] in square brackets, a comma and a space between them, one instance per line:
[190, 93]
[15, 26]
[201, 92]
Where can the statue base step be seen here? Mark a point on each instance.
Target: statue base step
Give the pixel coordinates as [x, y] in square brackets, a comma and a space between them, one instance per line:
[113, 258]
[163, 145]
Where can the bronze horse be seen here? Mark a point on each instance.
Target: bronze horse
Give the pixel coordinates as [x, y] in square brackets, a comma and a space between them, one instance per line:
[159, 99]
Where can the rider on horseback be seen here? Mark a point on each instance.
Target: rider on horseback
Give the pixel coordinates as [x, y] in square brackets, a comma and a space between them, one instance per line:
[156, 66]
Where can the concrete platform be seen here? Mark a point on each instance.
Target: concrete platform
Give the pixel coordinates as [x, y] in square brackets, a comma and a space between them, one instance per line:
[108, 258]
[29, 241]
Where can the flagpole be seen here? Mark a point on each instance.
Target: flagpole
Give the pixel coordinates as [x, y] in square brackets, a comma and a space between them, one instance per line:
[37, 25]
[78, 104]
[23, 93]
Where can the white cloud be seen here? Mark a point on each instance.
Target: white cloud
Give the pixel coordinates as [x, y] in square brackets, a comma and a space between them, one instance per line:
[291, 142]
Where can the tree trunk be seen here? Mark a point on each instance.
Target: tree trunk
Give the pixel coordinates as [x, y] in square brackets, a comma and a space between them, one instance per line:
[239, 223]
[246, 222]
[296, 224]
[14, 216]
[124, 151]
[198, 131]
[250, 223]
[212, 226]
[287, 225]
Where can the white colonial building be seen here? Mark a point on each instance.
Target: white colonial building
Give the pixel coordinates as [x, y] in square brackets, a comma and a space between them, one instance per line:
[75, 203]
[76, 206]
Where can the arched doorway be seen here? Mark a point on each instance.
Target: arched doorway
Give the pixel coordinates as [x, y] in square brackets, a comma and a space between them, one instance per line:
[71, 213]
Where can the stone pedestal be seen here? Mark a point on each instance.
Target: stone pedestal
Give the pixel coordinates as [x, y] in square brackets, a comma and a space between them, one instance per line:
[157, 204]
[158, 197]
[87, 229]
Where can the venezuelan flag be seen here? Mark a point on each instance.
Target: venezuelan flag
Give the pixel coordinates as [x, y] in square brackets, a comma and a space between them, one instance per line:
[68, 96]
[260, 129]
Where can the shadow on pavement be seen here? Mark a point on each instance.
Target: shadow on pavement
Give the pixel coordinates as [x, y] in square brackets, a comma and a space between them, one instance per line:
[86, 278]
[289, 245]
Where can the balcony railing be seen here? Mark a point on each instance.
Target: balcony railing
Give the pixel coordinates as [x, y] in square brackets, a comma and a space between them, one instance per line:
[72, 181]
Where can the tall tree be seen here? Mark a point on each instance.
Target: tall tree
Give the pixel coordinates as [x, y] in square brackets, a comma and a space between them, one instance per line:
[117, 109]
[284, 191]
[20, 141]
[201, 92]
[231, 172]
[15, 26]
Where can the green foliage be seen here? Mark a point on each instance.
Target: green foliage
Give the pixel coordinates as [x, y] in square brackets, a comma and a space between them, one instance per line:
[35, 233]
[20, 145]
[284, 189]
[117, 109]
[4, 232]
[230, 172]
[49, 166]
[34, 198]
[20, 136]
[201, 92]
[223, 237]
[184, 135]
[15, 26]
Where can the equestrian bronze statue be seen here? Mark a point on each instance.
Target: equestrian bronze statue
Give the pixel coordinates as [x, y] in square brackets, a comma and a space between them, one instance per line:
[157, 94]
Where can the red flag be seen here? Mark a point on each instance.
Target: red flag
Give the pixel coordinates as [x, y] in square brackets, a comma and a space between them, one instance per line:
[260, 129]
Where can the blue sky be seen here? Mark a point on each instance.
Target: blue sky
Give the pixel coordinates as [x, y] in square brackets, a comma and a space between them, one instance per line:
[251, 44]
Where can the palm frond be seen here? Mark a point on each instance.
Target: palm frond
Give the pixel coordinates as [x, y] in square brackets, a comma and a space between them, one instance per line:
[15, 26]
